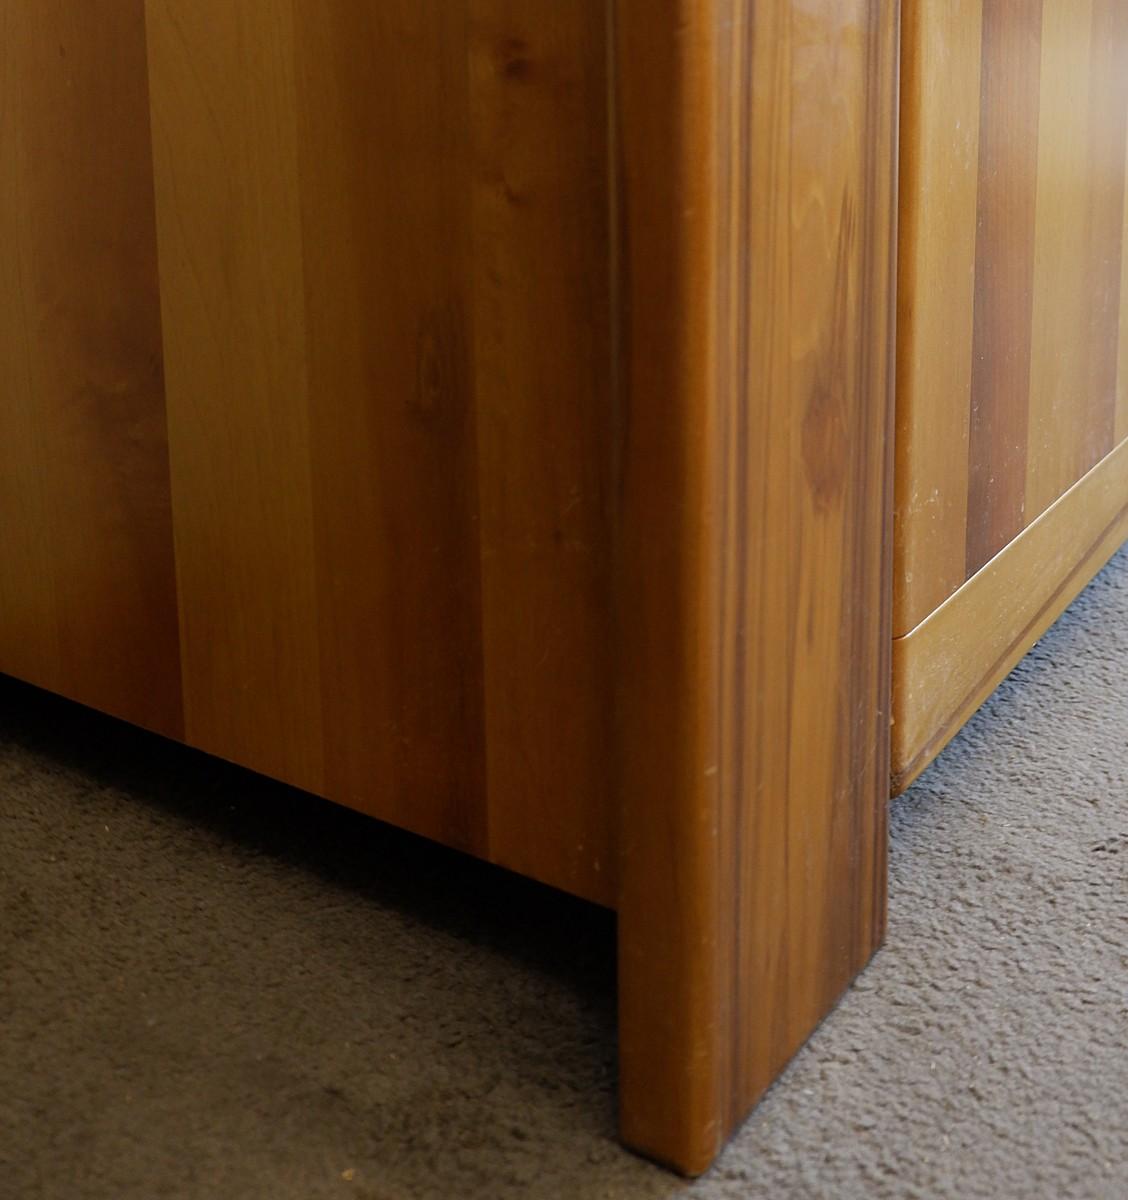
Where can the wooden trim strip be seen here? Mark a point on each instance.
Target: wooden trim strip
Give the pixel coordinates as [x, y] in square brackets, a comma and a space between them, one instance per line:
[753, 550]
[997, 616]
[669, 979]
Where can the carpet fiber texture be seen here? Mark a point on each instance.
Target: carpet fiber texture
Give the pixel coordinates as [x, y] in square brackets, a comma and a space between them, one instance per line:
[212, 986]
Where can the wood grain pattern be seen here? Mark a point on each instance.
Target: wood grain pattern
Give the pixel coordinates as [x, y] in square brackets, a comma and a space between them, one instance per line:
[1043, 403]
[950, 664]
[386, 372]
[545, 377]
[1004, 270]
[1107, 247]
[1120, 428]
[1048, 82]
[87, 593]
[1078, 245]
[759, 167]
[1059, 345]
[388, 351]
[408, 406]
[936, 301]
[390, 360]
[224, 136]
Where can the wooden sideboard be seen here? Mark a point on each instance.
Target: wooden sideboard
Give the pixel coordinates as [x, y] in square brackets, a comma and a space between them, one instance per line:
[479, 412]
[476, 412]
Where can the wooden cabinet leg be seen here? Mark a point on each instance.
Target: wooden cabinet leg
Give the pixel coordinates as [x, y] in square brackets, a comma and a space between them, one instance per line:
[758, 171]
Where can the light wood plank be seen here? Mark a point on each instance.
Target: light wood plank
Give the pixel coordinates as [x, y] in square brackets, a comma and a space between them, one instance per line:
[1120, 428]
[1108, 246]
[1059, 368]
[1080, 239]
[229, 228]
[940, 91]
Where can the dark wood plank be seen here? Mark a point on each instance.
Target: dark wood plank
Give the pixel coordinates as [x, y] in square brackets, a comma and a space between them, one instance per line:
[387, 248]
[87, 591]
[541, 288]
[759, 151]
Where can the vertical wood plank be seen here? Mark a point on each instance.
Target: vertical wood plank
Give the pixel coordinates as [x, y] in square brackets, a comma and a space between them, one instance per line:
[940, 91]
[544, 377]
[1080, 244]
[1120, 431]
[760, 151]
[387, 248]
[229, 229]
[1060, 363]
[1108, 123]
[87, 591]
[1004, 278]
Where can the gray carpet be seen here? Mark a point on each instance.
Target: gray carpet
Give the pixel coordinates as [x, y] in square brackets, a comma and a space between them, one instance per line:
[212, 986]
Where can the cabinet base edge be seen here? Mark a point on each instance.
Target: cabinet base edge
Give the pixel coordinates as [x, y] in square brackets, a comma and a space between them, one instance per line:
[946, 667]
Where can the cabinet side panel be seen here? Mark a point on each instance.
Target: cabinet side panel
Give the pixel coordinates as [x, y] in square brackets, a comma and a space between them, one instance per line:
[1046, 398]
[1078, 246]
[988, 442]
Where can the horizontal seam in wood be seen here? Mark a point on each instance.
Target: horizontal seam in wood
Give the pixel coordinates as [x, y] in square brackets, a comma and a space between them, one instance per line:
[952, 724]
